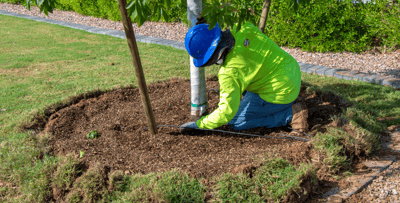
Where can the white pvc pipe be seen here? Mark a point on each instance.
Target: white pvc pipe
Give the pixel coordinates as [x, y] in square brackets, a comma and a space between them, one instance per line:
[197, 75]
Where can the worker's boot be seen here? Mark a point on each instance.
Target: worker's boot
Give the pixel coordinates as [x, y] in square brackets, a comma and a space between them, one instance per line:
[300, 115]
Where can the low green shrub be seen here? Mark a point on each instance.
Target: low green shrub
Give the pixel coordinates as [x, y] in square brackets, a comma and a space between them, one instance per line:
[84, 7]
[11, 1]
[109, 9]
[96, 8]
[383, 20]
[336, 26]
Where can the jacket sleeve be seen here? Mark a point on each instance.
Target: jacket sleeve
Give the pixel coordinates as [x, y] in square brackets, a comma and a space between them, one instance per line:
[231, 88]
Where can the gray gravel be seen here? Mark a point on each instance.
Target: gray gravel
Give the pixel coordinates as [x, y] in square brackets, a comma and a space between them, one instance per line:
[386, 187]
[374, 62]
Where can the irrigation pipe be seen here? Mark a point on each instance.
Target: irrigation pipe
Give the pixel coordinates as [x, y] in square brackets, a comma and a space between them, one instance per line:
[223, 131]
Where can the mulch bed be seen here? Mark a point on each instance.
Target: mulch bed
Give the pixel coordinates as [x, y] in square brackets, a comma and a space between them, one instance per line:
[125, 144]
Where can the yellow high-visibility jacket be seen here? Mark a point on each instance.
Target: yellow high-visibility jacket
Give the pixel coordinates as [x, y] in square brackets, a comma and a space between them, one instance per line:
[258, 65]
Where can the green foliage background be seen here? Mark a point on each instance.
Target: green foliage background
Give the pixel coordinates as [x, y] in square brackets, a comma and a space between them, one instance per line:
[331, 25]
[322, 26]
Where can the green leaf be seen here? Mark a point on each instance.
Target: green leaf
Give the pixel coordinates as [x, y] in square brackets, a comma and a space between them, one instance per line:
[165, 15]
[133, 12]
[227, 17]
[131, 4]
[158, 11]
[92, 134]
[140, 19]
[213, 22]
[168, 3]
[131, 9]
[39, 2]
[221, 19]
[296, 7]
[206, 11]
[28, 4]
[183, 4]
[81, 154]
[49, 5]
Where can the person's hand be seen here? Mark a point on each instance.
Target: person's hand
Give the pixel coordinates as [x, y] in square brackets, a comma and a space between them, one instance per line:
[189, 126]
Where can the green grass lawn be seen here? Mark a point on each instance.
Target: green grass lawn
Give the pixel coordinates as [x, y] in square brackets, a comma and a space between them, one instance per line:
[42, 64]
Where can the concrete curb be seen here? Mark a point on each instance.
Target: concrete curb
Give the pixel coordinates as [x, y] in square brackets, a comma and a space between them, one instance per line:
[307, 68]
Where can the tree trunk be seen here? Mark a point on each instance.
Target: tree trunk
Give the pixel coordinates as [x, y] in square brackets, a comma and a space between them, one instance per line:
[130, 37]
[264, 15]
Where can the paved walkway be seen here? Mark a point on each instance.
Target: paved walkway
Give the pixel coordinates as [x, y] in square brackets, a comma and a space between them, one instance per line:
[307, 68]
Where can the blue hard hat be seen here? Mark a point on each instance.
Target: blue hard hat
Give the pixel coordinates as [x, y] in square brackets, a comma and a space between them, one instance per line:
[201, 43]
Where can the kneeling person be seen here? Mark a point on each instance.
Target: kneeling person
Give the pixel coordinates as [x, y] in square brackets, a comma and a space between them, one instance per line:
[252, 65]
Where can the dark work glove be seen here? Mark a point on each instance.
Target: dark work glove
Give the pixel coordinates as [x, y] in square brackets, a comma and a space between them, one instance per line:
[189, 126]
[201, 20]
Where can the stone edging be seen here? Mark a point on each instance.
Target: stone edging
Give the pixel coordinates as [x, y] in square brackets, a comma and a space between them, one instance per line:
[304, 67]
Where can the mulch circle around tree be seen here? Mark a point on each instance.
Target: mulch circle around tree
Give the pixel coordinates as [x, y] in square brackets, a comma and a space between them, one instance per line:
[125, 144]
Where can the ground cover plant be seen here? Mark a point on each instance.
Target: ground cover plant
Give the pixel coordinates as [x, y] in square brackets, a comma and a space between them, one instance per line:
[51, 101]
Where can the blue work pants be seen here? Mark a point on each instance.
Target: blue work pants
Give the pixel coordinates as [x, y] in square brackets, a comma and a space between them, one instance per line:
[255, 112]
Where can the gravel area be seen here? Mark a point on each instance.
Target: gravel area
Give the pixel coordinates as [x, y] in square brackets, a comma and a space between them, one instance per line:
[386, 187]
[374, 62]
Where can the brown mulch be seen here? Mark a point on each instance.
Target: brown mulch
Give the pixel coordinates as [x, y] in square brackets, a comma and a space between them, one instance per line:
[125, 145]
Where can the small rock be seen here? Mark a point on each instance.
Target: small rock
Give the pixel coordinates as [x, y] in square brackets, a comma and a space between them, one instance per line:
[126, 172]
[3, 110]
[112, 64]
[395, 192]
